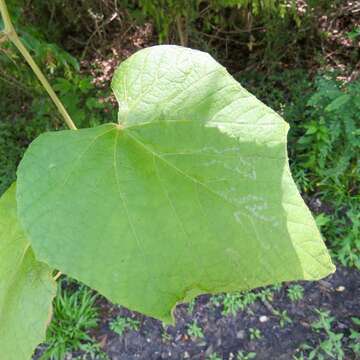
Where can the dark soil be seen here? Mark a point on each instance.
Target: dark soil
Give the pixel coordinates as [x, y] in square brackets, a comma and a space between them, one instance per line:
[226, 335]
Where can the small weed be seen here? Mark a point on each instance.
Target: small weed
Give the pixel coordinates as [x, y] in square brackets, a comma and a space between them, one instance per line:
[355, 338]
[242, 355]
[295, 292]
[74, 314]
[92, 351]
[121, 324]
[214, 356]
[233, 302]
[356, 321]
[194, 330]
[255, 334]
[283, 317]
[331, 346]
[266, 294]
[301, 356]
[216, 300]
[191, 306]
[324, 322]
[301, 178]
[355, 342]
[166, 337]
[277, 287]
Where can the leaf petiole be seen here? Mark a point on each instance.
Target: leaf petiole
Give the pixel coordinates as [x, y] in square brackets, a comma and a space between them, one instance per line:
[58, 274]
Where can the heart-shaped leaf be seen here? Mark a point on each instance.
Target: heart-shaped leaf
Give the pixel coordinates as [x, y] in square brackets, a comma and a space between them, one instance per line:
[26, 288]
[190, 193]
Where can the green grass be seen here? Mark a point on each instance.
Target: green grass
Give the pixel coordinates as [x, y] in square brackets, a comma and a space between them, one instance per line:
[75, 313]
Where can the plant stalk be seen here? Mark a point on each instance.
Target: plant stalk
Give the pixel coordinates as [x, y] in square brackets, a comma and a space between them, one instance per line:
[182, 31]
[10, 33]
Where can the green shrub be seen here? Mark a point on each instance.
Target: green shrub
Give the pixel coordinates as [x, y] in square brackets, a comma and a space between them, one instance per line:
[328, 154]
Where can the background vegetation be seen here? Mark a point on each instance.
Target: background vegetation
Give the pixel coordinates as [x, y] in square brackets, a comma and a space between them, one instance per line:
[302, 58]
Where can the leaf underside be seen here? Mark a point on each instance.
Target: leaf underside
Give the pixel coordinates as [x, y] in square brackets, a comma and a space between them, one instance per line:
[26, 288]
[189, 193]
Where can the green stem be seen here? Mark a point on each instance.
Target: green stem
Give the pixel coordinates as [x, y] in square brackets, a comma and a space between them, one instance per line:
[10, 33]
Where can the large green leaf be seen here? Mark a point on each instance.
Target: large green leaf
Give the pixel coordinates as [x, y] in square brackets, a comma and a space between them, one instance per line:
[190, 193]
[26, 288]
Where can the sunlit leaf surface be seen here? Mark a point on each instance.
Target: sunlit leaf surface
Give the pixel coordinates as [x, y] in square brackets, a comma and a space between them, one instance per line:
[189, 193]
